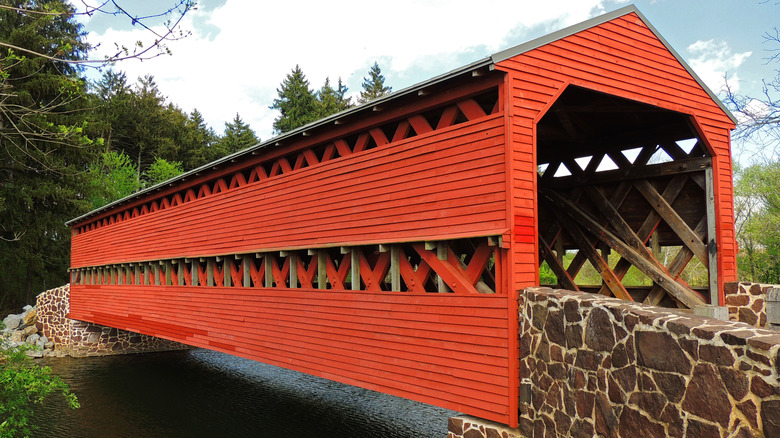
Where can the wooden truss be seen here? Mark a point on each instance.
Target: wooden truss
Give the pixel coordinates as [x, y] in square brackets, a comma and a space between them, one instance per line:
[462, 266]
[462, 111]
[632, 209]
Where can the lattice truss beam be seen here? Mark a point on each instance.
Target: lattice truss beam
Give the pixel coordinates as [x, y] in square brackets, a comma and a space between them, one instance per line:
[462, 111]
[462, 266]
[631, 203]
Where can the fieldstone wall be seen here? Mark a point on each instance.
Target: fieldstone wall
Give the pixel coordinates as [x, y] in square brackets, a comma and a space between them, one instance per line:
[601, 366]
[79, 338]
[747, 302]
[466, 426]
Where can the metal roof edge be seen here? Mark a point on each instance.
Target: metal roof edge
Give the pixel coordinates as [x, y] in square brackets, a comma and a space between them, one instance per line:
[485, 62]
[559, 34]
[601, 19]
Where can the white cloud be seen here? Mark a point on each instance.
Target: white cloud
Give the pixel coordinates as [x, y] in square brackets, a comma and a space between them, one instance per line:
[240, 52]
[713, 61]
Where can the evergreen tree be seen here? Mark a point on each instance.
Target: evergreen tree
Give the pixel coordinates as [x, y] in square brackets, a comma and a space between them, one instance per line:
[197, 142]
[238, 135]
[374, 85]
[332, 100]
[296, 103]
[43, 150]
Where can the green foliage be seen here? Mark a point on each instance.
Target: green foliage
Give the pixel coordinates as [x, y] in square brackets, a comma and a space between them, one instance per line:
[238, 135]
[757, 214]
[114, 177]
[374, 85]
[296, 103]
[160, 171]
[44, 146]
[197, 141]
[332, 100]
[695, 274]
[23, 385]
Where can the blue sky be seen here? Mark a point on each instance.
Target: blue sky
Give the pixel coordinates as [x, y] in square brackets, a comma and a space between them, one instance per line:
[240, 50]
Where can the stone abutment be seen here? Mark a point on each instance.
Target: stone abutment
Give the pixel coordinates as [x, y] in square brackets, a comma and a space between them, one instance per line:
[598, 366]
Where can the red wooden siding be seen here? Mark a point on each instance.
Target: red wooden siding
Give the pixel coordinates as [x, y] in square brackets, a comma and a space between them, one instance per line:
[443, 349]
[624, 58]
[448, 184]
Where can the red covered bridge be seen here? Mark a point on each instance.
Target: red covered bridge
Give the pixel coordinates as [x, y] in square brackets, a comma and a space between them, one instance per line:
[385, 246]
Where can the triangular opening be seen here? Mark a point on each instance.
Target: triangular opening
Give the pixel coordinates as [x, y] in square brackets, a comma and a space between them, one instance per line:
[631, 154]
[583, 161]
[542, 168]
[562, 171]
[659, 157]
[687, 145]
[606, 164]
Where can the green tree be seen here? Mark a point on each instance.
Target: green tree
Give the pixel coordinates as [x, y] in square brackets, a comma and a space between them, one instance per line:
[197, 142]
[757, 214]
[160, 171]
[374, 85]
[238, 135]
[297, 103]
[114, 177]
[23, 385]
[332, 100]
[44, 149]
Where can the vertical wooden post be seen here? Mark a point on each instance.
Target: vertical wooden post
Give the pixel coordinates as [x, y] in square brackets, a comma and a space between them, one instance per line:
[227, 278]
[136, 273]
[247, 266]
[395, 268]
[194, 272]
[322, 269]
[168, 272]
[712, 242]
[442, 249]
[355, 267]
[146, 274]
[210, 271]
[269, 269]
[182, 270]
[559, 251]
[293, 258]
[655, 243]
[156, 270]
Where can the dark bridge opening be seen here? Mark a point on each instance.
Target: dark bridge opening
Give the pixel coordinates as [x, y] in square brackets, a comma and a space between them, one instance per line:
[623, 200]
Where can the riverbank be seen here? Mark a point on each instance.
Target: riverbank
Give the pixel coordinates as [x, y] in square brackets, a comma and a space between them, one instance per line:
[20, 330]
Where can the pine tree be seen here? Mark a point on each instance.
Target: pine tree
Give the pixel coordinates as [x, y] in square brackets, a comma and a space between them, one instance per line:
[296, 103]
[238, 135]
[374, 85]
[43, 151]
[332, 100]
[198, 141]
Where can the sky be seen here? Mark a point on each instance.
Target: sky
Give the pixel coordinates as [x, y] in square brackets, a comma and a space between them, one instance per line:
[239, 51]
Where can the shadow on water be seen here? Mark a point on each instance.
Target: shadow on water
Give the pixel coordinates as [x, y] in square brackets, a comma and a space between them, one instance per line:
[202, 393]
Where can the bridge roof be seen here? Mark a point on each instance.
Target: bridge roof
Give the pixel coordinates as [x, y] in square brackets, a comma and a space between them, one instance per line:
[488, 62]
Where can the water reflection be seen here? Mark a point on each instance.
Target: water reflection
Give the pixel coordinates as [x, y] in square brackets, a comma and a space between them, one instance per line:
[202, 393]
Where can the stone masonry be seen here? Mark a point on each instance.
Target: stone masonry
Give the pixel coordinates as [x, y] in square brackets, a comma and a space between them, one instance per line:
[79, 338]
[601, 366]
[747, 302]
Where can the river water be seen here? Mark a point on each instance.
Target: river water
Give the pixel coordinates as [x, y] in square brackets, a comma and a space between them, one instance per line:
[202, 393]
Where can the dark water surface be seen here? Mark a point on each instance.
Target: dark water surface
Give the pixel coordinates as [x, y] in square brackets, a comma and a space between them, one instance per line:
[202, 393]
